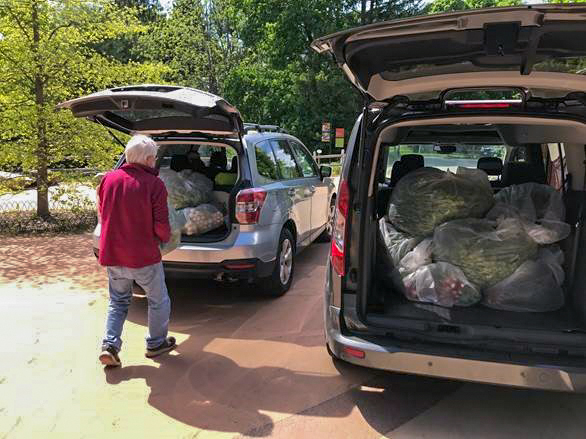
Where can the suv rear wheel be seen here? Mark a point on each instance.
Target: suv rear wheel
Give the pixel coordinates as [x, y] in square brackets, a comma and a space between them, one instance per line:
[279, 282]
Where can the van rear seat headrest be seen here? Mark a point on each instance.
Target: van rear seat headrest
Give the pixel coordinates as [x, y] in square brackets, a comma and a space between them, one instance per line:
[490, 165]
[179, 163]
[407, 163]
[413, 161]
[523, 172]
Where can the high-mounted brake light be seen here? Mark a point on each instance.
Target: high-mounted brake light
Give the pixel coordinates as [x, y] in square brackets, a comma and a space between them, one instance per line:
[338, 253]
[249, 203]
[484, 105]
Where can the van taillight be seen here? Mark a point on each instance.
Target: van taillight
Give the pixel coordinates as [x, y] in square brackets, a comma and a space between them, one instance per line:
[249, 203]
[339, 229]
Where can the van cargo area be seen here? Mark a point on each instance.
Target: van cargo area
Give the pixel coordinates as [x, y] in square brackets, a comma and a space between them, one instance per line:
[407, 296]
[202, 180]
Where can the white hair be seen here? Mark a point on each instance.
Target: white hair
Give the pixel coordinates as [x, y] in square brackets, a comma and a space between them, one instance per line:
[139, 148]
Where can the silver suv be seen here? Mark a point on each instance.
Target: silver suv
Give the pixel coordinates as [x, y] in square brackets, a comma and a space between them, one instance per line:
[277, 200]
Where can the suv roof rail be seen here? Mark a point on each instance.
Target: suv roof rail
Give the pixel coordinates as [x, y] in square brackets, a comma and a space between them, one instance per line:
[264, 128]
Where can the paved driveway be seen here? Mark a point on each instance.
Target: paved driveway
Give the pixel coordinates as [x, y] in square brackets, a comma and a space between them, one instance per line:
[245, 366]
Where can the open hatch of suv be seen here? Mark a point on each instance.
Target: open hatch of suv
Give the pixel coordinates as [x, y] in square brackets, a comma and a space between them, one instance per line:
[275, 199]
[500, 90]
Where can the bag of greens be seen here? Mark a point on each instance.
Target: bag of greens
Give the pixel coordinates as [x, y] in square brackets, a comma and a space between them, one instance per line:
[428, 197]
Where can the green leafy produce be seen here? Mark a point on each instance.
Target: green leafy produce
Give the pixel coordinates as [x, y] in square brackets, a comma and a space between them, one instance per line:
[186, 188]
[427, 197]
[486, 251]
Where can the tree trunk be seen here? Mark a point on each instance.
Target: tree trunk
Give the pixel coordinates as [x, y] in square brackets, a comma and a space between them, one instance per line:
[41, 151]
[363, 12]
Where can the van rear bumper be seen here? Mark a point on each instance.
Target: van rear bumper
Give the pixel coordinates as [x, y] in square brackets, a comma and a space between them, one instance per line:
[392, 358]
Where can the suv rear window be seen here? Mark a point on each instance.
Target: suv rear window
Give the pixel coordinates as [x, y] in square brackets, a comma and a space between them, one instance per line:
[266, 164]
[304, 159]
[285, 160]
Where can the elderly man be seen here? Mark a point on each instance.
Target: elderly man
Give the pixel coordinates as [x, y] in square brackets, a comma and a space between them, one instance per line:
[133, 209]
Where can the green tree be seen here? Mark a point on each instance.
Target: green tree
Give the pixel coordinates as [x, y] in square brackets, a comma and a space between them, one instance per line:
[47, 54]
[438, 6]
[197, 41]
[282, 80]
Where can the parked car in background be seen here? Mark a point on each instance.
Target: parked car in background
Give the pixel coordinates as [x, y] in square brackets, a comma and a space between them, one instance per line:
[277, 200]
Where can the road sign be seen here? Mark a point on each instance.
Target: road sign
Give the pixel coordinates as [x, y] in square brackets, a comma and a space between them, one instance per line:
[339, 132]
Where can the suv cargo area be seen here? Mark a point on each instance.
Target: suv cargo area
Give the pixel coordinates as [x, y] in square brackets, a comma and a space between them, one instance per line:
[387, 309]
[210, 175]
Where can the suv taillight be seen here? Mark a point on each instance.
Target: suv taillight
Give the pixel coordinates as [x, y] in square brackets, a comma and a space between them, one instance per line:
[249, 203]
[339, 229]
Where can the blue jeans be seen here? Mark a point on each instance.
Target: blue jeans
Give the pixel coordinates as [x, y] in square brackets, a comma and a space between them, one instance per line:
[152, 280]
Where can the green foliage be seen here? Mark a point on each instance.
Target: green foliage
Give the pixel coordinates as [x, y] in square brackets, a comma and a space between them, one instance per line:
[438, 6]
[48, 53]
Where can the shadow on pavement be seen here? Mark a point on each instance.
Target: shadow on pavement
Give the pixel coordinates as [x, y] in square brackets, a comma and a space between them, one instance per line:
[249, 361]
[42, 260]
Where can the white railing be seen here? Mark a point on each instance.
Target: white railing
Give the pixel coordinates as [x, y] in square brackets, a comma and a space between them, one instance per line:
[329, 157]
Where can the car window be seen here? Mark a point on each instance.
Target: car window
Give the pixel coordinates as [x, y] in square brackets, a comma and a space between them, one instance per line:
[266, 164]
[285, 160]
[304, 159]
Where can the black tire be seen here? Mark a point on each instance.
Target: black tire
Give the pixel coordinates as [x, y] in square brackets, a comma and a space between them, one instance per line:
[274, 285]
[326, 235]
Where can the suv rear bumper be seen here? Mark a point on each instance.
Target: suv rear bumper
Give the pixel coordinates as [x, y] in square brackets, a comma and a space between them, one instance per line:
[392, 358]
[235, 269]
[247, 252]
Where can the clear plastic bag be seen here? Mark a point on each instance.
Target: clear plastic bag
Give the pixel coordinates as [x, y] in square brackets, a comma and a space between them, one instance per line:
[397, 244]
[202, 219]
[440, 283]
[534, 287]
[540, 207]
[177, 221]
[486, 251]
[419, 256]
[186, 188]
[427, 197]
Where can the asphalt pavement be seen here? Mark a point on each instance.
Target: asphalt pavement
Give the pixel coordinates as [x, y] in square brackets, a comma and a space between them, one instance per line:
[245, 366]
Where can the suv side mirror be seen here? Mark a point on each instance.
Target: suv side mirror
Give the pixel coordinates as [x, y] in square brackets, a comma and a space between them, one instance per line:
[325, 171]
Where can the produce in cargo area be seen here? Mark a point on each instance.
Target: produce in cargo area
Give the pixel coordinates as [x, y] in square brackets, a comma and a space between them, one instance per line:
[202, 219]
[419, 256]
[534, 287]
[477, 175]
[486, 251]
[186, 188]
[397, 244]
[428, 197]
[177, 221]
[440, 283]
[540, 207]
